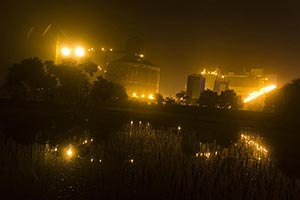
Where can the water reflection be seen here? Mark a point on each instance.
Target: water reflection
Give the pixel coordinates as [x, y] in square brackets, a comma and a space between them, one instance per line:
[138, 138]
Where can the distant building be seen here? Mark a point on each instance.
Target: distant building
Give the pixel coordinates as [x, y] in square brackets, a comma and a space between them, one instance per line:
[221, 84]
[138, 76]
[210, 79]
[215, 81]
[195, 85]
[243, 84]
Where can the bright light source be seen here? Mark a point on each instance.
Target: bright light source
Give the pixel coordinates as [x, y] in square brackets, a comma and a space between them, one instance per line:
[143, 96]
[134, 94]
[70, 152]
[65, 51]
[111, 49]
[102, 49]
[179, 128]
[150, 96]
[79, 52]
[254, 95]
[141, 55]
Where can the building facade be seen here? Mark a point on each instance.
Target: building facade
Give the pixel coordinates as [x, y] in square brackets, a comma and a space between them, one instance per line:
[195, 85]
[138, 76]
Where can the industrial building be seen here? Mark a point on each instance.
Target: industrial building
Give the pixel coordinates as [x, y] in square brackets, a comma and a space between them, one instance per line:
[242, 84]
[195, 85]
[138, 76]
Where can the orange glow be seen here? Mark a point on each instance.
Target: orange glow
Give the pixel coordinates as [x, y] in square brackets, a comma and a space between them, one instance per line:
[256, 94]
[65, 51]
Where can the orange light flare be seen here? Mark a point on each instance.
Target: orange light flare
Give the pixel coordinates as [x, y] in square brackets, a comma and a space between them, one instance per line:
[256, 94]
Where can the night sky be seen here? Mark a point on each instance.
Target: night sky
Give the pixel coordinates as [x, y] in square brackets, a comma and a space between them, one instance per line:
[180, 37]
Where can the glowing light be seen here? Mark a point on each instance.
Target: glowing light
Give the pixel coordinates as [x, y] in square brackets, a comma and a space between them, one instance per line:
[55, 149]
[131, 161]
[65, 51]
[141, 55]
[111, 49]
[179, 128]
[143, 96]
[256, 94]
[70, 152]
[131, 122]
[79, 52]
[92, 159]
[102, 49]
[92, 139]
[209, 72]
[207, 154]
[134, 94]
[252, 142]
[100, 161]
[150, 96]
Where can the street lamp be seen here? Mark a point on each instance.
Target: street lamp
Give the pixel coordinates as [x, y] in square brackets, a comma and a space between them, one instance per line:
[65, 51]
[79, 52]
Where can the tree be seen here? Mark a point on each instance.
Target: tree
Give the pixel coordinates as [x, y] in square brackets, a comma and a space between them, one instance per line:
[181, 97]
[285, 99]
[159, 98]
[73, 83]
[105, 92]
[208, 99]
[229, 100]
[29, 80]
[89, 67]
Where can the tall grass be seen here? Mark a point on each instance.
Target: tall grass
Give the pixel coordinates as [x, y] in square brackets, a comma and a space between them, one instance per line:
[140, 162]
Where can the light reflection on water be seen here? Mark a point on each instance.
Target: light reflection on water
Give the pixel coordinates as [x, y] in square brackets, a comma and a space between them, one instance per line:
[85, 148]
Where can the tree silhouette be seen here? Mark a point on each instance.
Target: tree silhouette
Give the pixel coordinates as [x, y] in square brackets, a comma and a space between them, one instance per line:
[89, 67]
[285, 99]
[181, 97]
[159, 98]
[208, 99]
[73, 83]
[28, 80]
[105, 92]
[229, 100]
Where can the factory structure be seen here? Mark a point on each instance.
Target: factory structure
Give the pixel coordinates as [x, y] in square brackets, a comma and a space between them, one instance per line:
[137, 75]
[243, 84]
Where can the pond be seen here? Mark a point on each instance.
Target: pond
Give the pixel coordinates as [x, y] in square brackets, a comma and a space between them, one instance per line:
[90, 157]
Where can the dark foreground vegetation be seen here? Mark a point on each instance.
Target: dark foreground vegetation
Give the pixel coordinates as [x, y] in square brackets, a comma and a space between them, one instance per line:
[140, 162]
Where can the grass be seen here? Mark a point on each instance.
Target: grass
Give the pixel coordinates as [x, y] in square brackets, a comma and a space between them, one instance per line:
[140, 162]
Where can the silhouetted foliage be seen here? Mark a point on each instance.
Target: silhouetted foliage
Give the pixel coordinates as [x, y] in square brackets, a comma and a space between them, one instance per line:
[208, 99]
[66, 83]
[229, 100]
[226, 100]
[285, 99]
[181, 97]
[73, 83]
[89, 67]
[106, 92]
[28, 80]
[159, 98]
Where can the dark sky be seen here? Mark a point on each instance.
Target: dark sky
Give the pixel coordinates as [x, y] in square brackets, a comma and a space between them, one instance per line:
[180, 36]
